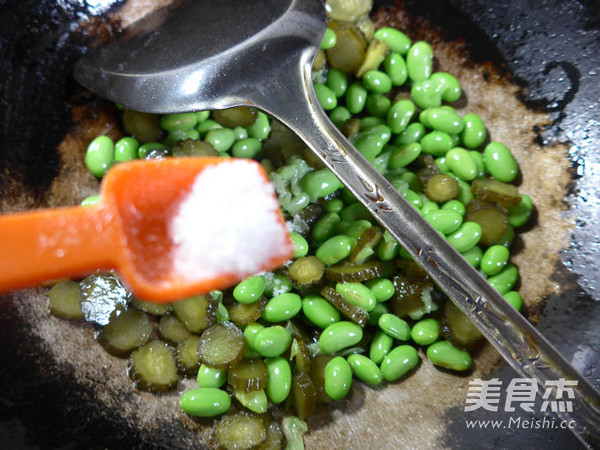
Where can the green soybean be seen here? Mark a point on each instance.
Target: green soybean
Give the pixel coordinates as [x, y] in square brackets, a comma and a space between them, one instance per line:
[429, 206]
[337, 81]
[379, 310]
[519, 214]
[358, 294]
[209, 377]
[381, 344]
[335, 249]
[454, 205]
[426, 94]
[377, 81]
[276, 283]
[370, 142]
[204, 127]
[356, 97]
[326, 96]
[334, 205]
[462, 164]
[371, 121]
[325, 227]
[99, 155]
[329, 39]
[272, 341]
[444, 354]
[450, 86]
[365, 369]
[399, 115]
[279, 382]
[396, 40]
[398, 362]
[508, 238]
[425, 331]
[500, 162]
[478, 158]
[473, 256]
[443, 220]
[181, 121]
[382, 288]
[442, 164]
[282, 307]
[466, 237]
[413, 133]
[413, 198]
[515, 299]
[246, 148]
[250, 289]
[474, 132]
[205, 402]
[338, 336]
[320, 183]
[319, 311]
[378, 106]
[221, 139]
[388, 247]
[436, 143]
[250, 333]
[91, 200]
[394, 326]
[505, 280]
[261, 127]
[419, 61]
[126, 149]
[300, 245]
[445, 119]
[338, 378]
[494, 259]
[339, 116]
[395, 66]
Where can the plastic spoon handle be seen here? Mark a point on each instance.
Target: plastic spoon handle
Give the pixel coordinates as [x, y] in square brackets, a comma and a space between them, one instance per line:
[55, 243]
[521, 345]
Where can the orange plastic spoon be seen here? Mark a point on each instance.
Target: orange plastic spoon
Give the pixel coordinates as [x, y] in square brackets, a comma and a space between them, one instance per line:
[128, 231]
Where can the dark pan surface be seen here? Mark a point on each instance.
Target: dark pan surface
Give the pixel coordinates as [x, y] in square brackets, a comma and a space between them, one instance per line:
[550, 48]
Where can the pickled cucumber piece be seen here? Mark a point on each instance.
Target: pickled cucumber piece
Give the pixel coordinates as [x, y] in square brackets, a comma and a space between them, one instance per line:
[243, 314]
[240, 116]
[221, 346]
[241, 431]
[152, 367]
[101, 295]
[172, 330]
[414, 296]
[357, 315]
[64, 300]
[126, 332]
[304, 395]
[193, 147]
[156, 309]
[317, 375]
[364, 248]
[441, 187]
[301, 355]
[274, 439]
[186, 356]
[355, 273]
[306, 271]
[495, 191]
[144, 126]
[197, 313]
[248, 375]
[492, 219]
[349, 52]
[460, 330]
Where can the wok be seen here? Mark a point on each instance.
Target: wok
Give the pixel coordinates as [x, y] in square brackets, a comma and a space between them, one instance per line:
[530, 67]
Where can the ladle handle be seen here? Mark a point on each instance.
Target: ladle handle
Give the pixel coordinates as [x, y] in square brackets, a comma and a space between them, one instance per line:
[526, 350]
[50, 244]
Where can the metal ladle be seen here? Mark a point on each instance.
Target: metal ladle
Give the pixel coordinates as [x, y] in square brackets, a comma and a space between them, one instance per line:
[223, 53]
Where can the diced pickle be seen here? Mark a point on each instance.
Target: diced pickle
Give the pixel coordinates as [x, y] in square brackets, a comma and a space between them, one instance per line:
[243, 314]
[301, 355]
[241, 431]
[197, 313]
[221, 346]
[102, 295]
[144, 126]
[248, 375]
[64, 300]
[304, 395]
[193, 147]
[317, 375]
[441, 187]
[274, 439]
[365, 246]
[414, 289]
[152, 367]
[492, 219]
[306, 271]
[172, 330]
[495, 191]
[186, 356]
[355, 273]
[349, 52]
[357, 315]
[126, 332]
[240, 116]
[155, 309]
[461, 331]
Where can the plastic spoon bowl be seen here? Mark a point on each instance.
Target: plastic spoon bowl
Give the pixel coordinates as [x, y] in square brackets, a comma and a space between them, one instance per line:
[128, 231]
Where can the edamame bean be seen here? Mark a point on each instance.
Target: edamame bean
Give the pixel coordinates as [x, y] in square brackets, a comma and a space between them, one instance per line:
[446, 120]
[426, 94]
[272, 341]
[464, 191]
[282, 307]
[462, 164]
[250, 333]
[276, 283]
[339, 116]
[356, 97]
[358, 294]
[320, 183]
[99, 155]
[494, 259]
[505, 280]
[413, 133]
[474, 133]
[370, 142]
[478, 158]
[515, 299]
[365, 369]
[442, 164]
[395, 66]
[221, 139]
[378, 106]
[396, 40]
[126, 149]
[371, 121]
[444, 354]
[337, 81]
[209, 377]
[261, 127]
[209, 124]
[379, 310]
[382, 288]
[319, 311]
[413, 198]
[339, 335]
[329, 39]
[246, 148]
[240, 133]
[508, 238]
[443, 220]
[425, 331]
[205, 402]
[90, 201]
[338, 378]
[419, 61]
[181, 121]
[326, 96]
[381, 344]
[473, 256]
[300, 245]
[279, 381]
[436, 143]
[399, 115]
[334, 205]
[450, 86]
[455, 205]
[388, 248]
[250, 289]
[394, 326]
[377, 81]
[325, 227]
[519, 214]
[500, 162]
[429, 206]
[335, 249]
[399, 362]
[466, 237]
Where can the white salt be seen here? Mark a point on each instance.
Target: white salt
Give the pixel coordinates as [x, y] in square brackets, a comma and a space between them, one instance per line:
[227, 224]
